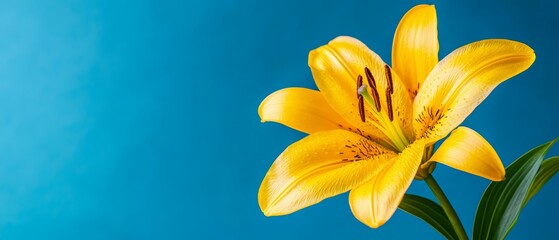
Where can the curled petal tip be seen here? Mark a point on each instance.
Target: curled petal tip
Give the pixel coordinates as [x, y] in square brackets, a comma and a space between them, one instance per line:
[501, 176]
[264, 205]
[260, 109]
[312, 56]
[376, 224]
[267, 213]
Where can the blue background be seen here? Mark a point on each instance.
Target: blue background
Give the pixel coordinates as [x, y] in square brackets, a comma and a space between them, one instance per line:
[138, 119]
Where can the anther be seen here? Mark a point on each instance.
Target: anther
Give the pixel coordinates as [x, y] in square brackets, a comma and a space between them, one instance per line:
[373, 85]
[389, 78]
[389, 104]
[361, 108]
[370, 78]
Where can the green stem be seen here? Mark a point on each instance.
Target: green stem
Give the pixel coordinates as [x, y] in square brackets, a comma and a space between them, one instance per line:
[448, 209]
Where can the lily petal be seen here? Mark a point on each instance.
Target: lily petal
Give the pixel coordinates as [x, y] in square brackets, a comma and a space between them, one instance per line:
[321, 165]
[468, 151]
[302, 109]
[415, 50]
[462, 80]
[374, 202]
[336, 67]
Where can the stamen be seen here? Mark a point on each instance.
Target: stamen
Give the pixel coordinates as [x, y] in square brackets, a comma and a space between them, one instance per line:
[361, 108]
[359, 84]
[370, 78]
[389, 92]
[361, 104]
[373, 85]
[383, 121]
[389, 78]
[389, 104]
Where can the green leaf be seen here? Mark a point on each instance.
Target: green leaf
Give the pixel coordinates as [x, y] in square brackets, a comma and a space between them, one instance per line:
[429, 212]
[501, 203]
[547, 170]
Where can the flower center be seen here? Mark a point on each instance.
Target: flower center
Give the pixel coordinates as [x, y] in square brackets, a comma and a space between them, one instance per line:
[385, 123]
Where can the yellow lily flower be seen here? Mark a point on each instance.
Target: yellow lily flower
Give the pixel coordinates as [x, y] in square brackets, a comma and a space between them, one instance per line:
[371, 125]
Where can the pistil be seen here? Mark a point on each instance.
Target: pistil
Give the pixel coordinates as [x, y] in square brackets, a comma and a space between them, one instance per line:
[360, 98]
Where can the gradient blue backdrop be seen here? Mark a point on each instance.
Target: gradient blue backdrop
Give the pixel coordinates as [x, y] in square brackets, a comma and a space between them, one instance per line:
[138, 119]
